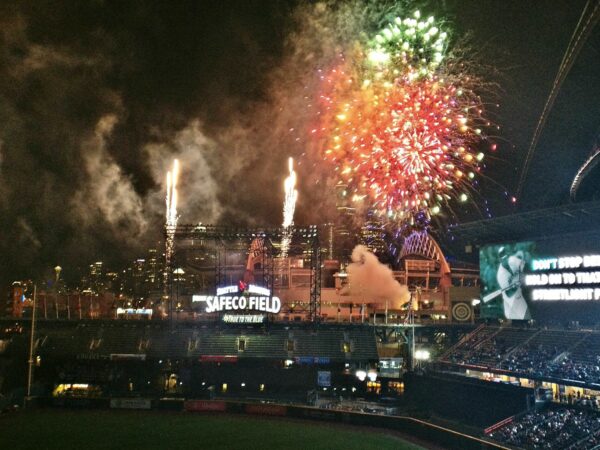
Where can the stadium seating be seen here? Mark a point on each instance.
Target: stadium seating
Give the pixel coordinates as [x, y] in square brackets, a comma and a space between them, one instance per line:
[565, 428]
[189, 340]
[540, 353]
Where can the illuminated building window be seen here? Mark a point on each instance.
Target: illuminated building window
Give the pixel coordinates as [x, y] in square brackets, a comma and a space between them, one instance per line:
[346, 347]
[396, 386]
[374, 386]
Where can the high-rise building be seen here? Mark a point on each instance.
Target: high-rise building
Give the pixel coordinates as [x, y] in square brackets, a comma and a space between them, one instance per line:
[343, 238]
[95, 281]
[372, 234]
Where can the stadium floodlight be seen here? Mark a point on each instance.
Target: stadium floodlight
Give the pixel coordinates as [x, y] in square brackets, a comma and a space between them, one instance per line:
[361, 374]
[422, 355]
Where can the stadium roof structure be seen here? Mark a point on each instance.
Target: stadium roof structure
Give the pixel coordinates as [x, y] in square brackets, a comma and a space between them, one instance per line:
[572, 218]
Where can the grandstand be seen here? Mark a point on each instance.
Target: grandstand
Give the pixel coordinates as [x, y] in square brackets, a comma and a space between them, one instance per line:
[203, 359]
[564, 428]
[101, 339]
[281, 362]
[538, 353]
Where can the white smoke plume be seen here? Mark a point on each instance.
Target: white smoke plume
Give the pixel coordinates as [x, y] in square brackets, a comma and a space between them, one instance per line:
[108, 191]
[375, 281]
[197, 189]
[26, 233]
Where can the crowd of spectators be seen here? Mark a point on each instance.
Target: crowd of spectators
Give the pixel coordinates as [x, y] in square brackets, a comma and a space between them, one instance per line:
[530, 359]
[568, 369]
[565, 428]
[549, 360]
[463, 353]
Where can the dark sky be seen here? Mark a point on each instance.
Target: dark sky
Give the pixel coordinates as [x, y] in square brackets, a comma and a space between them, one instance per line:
[97, 97]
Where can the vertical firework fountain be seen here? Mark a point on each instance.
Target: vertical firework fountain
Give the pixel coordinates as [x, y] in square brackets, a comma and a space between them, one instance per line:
[289, 205]
[170, 220]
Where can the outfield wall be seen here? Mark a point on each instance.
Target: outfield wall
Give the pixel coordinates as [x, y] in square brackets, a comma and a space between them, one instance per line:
[407, 425]
[467, 400]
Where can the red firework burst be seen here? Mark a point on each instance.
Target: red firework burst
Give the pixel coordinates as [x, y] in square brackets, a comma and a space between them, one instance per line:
[410, 145]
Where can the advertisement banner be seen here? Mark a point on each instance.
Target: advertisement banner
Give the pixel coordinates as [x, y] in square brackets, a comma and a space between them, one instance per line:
[204, 405]
[266, 410]
[324, 378]
[130, 403]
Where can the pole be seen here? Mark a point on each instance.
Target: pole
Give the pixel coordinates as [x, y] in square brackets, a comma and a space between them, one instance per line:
[386, 312]
[31, 340]
[412, 321]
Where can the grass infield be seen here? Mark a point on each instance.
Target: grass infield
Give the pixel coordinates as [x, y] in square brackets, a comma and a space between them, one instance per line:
[88, 429]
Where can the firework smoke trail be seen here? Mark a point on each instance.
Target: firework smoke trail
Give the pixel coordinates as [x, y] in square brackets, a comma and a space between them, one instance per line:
[170, 217]
[289, 206]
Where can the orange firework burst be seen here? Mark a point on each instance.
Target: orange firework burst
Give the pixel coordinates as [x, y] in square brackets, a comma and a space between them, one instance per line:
[407, 142]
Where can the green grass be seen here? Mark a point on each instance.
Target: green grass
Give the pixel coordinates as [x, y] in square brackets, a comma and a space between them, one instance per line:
[89, 430]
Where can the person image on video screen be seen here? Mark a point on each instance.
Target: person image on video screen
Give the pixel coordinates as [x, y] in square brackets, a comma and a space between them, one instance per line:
[509, 276]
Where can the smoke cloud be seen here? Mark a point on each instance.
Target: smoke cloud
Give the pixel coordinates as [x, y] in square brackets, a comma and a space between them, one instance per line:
[198, 190]
[93, 111]
[374, 280]
[108, 193]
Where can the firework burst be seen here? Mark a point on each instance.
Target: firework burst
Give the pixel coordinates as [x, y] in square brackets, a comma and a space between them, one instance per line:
[407, 47]
[401, 125]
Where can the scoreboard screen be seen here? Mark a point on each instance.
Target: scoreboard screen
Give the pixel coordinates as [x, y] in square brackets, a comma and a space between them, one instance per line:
[546, 280]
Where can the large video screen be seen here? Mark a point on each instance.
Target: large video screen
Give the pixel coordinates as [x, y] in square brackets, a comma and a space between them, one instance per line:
[548, 280]
[502, 269]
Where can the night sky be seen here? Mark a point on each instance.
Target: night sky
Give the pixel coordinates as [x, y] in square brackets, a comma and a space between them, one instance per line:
[98, 97]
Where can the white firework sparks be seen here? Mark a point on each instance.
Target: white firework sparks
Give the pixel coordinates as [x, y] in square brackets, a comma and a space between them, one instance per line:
[171, 216]
[289, 206]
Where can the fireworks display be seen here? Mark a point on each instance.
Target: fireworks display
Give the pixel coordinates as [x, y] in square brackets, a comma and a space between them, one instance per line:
[401, 122]
[171, 216]
[407, 47]
[289, 206]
